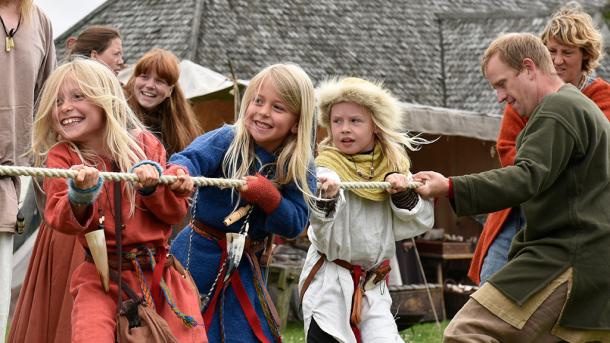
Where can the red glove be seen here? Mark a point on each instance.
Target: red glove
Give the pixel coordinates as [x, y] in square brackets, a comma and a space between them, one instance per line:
[263, 193]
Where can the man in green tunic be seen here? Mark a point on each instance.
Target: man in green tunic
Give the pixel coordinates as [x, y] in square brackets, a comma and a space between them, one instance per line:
[556, 285]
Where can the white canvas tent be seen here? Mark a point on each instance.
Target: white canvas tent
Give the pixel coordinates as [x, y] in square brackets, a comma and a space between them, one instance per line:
[451, 122]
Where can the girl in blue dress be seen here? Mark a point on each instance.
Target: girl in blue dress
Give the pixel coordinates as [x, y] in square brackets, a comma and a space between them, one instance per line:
[270, 147]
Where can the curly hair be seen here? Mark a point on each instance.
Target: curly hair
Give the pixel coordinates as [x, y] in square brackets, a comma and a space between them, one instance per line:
[573, 27]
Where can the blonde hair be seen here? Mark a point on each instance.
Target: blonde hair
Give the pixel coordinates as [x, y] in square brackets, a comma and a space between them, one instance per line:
[386, 113]
[101, 87]
[295, 155]
[25, 9]
[573, 27]
[513, 48]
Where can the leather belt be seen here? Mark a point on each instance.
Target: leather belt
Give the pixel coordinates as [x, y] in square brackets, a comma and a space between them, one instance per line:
[126, 262]
[252, 246]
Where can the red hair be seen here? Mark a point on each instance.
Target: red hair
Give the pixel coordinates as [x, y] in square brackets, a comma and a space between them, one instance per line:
[178, 124]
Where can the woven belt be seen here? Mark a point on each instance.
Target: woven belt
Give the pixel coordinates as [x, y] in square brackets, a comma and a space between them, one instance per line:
[126, 261]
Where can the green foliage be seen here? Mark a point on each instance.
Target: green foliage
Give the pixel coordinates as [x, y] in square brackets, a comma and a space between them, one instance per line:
[421, 333]
[606, 13]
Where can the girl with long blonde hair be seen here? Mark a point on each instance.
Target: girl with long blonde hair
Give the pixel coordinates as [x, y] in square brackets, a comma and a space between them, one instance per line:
[83, 122]
[270, 146]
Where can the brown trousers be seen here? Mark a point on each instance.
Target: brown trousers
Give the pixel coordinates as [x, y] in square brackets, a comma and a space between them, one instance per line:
[474, 323]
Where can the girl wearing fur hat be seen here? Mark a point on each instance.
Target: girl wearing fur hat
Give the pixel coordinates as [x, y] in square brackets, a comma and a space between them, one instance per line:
[353, 232]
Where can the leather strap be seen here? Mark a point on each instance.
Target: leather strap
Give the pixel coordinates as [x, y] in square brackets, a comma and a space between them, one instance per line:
[247, 307]
[214, 234]
[268, 303]
[316, 267]
[118, 222]
[265, 259]
[114, 276]
[207, 231]
[358, 275]
[311, 275]
[346, 265]
[252, 247]
[126, 264]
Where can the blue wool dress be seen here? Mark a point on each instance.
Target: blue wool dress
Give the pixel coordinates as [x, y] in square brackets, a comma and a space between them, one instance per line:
[202, 255]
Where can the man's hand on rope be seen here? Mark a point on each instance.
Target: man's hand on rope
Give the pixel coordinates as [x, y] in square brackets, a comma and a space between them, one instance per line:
[87, 177]
[434, 184]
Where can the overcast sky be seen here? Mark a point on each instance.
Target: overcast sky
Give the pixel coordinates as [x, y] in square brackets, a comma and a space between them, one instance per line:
[65, 13]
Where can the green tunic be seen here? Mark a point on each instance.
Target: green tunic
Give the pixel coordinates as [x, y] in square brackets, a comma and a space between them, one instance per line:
[561, 177]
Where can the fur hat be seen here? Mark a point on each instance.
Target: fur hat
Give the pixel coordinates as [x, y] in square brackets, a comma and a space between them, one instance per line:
[385, 108]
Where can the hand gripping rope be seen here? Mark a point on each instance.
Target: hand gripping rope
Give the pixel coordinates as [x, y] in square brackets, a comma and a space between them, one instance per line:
[167, 179]
[198, 181]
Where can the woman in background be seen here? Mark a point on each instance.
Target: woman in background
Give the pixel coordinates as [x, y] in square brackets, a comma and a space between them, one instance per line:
[576, 48]
[154, 94]
[102, 43]
[27, 57]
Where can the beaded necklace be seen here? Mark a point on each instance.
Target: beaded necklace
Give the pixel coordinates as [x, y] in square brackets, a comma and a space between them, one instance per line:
[371, 169]
[585, 81]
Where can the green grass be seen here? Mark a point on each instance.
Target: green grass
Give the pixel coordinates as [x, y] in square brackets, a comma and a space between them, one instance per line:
[424, 333]
[421, 333]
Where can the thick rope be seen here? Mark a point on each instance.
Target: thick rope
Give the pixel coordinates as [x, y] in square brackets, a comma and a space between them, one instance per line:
[112, 176]
[166, 179]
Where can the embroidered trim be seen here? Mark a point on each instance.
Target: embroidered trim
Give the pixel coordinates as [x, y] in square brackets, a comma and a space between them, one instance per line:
[84, 196]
